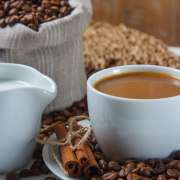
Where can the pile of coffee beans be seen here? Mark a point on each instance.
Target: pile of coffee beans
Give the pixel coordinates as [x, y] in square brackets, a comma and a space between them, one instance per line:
[32, 12]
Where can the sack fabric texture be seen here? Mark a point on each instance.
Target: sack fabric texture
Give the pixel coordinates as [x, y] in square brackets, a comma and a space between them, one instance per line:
[55, 50]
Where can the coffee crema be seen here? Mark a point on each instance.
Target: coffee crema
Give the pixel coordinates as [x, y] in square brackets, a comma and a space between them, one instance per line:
[140, 85]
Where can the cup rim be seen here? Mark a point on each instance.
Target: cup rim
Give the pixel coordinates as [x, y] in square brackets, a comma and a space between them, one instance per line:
[162, 68]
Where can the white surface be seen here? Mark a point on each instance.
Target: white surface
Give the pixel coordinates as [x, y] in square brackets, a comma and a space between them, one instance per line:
[136, 128]
[51, 162]
[176, 50]
[20, 113]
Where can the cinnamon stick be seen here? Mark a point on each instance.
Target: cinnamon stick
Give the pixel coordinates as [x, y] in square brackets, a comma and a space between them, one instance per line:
[70, 161]
[81, 152]
[91, 167]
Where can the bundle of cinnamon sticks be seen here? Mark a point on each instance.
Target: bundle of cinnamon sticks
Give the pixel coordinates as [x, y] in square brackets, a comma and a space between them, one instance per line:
[82, 160]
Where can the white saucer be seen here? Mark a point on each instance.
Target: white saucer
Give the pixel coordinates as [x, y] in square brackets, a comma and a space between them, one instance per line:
[51, 162]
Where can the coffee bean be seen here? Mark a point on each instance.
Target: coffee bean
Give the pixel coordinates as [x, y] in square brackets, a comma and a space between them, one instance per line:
[98, 156]
[36, 166]
[26, 8]
[96, 177]
[131, 166]
[173, 173]
[150, 162]
[40, 19]
[36, 22]
[44, 169]
[39, 161]
[114, 166]
[167, 160]
[93, 141]
[60, 15]
[103, 164]
[141, 164]
[13, 11]
[79, 104]
[45, 4]
[136, 170]
[24, 21]
[174, 165]
[146, 171]
[177, 155]
[36, 172]
[97, 148]
[63, 9]
[123, 167]
[55, 3]
[7, 20]
[102, 172]
[60, 118]
[124, 172]
[132, 160]
[161, 177]
[13, 176]
[132, 176]
[65, 113]
[35, 154]
[25, 173]
[50, 178]
[2, 14]
[111, 175]
[14, 19]
[55, 8]
[32, 26]
[3, 22]
[6, 6]
[50, 19]
[16, 5]
[159, 168]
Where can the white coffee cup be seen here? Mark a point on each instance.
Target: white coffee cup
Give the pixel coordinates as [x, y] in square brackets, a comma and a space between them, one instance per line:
[134, 128]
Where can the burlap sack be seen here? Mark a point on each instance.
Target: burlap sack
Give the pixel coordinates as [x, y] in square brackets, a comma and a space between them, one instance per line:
[55, 50]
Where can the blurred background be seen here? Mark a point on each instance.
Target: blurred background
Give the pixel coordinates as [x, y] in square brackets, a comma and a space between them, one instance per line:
[160, 18]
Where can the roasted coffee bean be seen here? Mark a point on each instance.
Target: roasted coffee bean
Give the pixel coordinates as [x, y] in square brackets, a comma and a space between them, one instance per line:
[50, 19]
[111, 175]
[3, 22]
[114, 166]
[40, 156]
[22, 12]
[103, 164]
[150, 163]
[2, 14]
[79, 104]
[16, 5]
[35, 154]
[45, 4]
[124, 172]
[13, 11]
[157, 160]
[97, 148]
[132, 160]
[167, 160]
[132, 176]
[60, 118]
[25, 173]
[50, 178]
[44, 169]
[39, 161]
[65, 113]
[154, 177]
[32, 26]
[146, 171]
[136, 170]
[40, 14]
[1, 7]
[7, 19]
[173, 173]
[174, 165]
[102, 172]
[14, 19]
[55, 3]
[41, 135]
[63, 9]
[66, 13]
[13, 176]
[141, 164]
[161, 177]
[26, 8]
[36, 22]
[6, 6]
[131, 166]
[40, 147]
[36, 166]
[60, 15]
[96, 177]
[36, 172]
[93, 141]
[159, 168]
[177, 155]
[123, 167]
[29, 2]
[49, 120]
[55, 8]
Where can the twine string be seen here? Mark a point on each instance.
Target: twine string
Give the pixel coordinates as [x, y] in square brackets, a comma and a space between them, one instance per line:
[68, 140]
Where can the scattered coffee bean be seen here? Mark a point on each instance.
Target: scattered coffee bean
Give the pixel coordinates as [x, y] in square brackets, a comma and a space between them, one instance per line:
[98, 156]
[132, 176]
[13, 176]
[141, 164]
[25, 173]
[146, 171]
[50, 178]
[136, 171]
[44, 169]
[97, 148]
[177, 155]
[161, 177]
[150, 162]
[36, 172]
[124, 172]
[103, 164]
[114, 166]
[36, 166]
[93, 141]
[174, 165]
[96, 177]
[167, 160]
[173, 173]
[131, 166]
[111, 175]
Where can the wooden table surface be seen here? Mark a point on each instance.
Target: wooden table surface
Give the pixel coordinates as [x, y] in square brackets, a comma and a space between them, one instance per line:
[160, 18]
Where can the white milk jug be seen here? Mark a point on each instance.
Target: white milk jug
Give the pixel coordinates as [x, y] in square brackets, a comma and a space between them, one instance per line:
[24, 94]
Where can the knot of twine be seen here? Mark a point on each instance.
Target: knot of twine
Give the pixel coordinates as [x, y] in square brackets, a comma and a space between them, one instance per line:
[68, 140]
